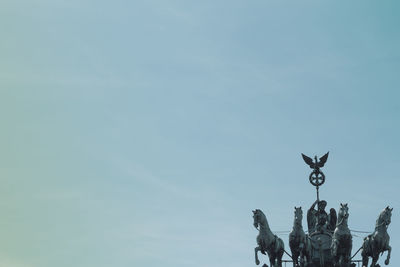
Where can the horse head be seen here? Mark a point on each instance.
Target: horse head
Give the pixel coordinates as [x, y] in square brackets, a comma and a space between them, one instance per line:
[298, 214]
[343, 212]
[385, 216]
[257, 217]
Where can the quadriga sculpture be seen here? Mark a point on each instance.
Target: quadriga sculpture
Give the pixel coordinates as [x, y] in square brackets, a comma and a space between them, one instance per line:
[299, 242]
[267, 241]
[378, 241]
[342, 239]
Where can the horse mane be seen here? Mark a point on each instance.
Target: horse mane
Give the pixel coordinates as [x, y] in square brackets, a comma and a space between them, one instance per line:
[264, 217]
[383, 215]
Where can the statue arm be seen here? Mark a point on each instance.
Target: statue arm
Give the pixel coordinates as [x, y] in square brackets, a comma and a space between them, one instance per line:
[313, 205]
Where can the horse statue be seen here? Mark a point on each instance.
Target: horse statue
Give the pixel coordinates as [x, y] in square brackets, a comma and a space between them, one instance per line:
[267, 241]
[299, 242]
[378, 241]
[342, 240]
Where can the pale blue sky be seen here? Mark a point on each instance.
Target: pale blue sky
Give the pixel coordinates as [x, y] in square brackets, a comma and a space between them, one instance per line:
[143, 133]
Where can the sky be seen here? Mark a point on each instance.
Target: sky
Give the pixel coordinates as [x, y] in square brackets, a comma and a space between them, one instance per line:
[143, 133]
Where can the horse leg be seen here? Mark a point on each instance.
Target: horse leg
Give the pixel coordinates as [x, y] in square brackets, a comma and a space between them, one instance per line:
[334, 251]
[389, 249]
[272, 262]
[295, 258]
[272, 259]
[302, 248]
[348, 259]
[349, 253]
[364, 254]
[365, 260]
[306, 253]
[345, 258]
[280, 255]
[374, 260]
[302, 259]
[256, 250]
[309, 254]
[340, 260]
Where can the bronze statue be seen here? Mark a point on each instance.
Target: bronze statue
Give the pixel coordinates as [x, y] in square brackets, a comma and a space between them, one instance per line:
[267, 241]
[342, 241]
[378, 241]
[317, 164]
[329, 240]
[299, 242]
[318, 220]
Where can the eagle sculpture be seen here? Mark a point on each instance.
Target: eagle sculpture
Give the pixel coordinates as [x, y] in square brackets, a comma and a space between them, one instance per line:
[318, 163]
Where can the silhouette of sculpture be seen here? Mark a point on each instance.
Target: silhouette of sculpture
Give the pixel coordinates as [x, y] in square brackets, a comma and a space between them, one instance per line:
[317, 218]
[342, 241]
[267, 242]
[299, 242]
[378, 241]
[329, 240]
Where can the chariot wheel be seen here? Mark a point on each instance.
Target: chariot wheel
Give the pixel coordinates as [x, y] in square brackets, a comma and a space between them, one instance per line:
[317, 178]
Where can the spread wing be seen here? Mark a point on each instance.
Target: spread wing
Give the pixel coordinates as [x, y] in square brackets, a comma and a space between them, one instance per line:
[308, 160]
[322, 160]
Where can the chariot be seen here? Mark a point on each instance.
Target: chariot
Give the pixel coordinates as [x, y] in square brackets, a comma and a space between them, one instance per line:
[328, 242]
[321, 249]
